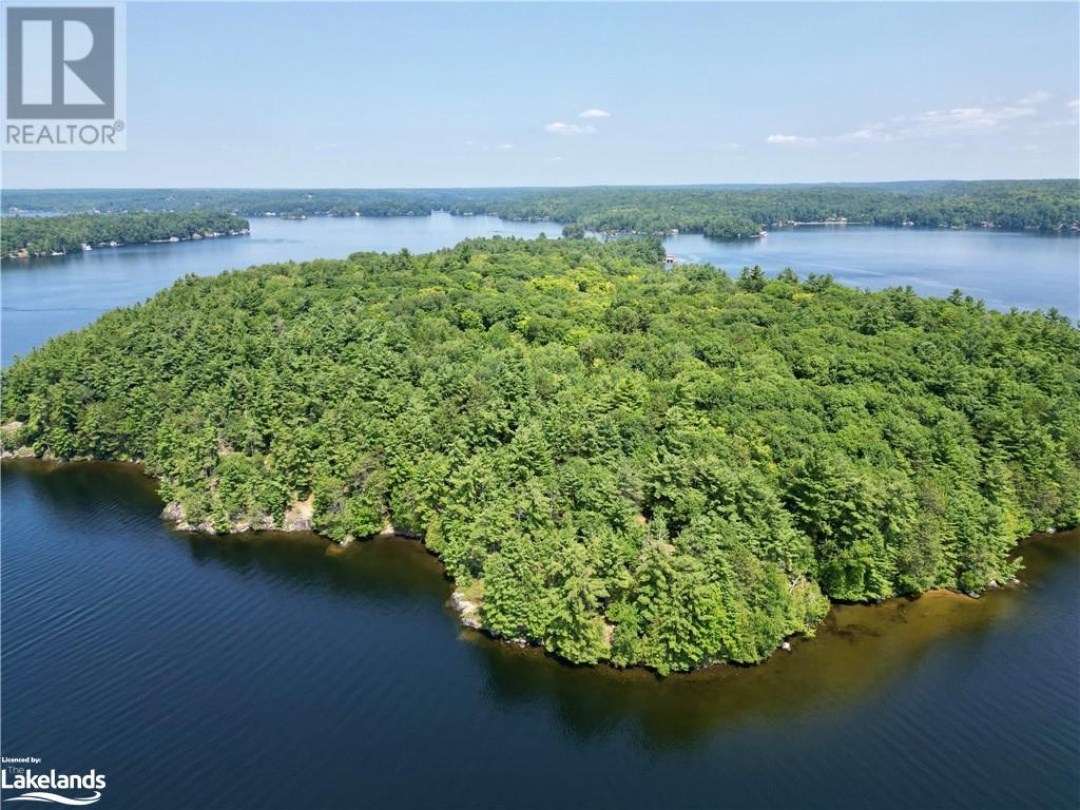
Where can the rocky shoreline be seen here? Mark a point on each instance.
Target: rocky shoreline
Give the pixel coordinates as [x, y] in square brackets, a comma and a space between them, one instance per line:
[299, 518]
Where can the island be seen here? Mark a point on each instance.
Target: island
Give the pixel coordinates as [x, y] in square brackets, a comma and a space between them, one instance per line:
[615, 460]
[25, 236]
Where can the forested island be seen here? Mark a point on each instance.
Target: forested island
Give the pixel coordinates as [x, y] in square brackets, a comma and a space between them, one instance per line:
[733, 212]
[21, 237]
[614, 461]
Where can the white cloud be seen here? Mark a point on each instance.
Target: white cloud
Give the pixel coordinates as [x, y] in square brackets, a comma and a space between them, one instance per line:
[505, 147]
[943, 122]
[728, 147]
[789, 140]
[594, 113]
[1074, 104]
[870, 132]
[559, 128]
[1035, 98]
[969, 118]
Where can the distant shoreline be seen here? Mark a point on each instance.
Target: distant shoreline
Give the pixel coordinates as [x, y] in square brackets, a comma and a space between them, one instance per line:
[25, 255]
[715, 211]
[26, 237]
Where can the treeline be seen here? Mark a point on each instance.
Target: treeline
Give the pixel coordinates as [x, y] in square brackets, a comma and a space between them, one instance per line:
[1049, 205]
[721, 212]
[252, 202]
[617, 462]
[35, 236]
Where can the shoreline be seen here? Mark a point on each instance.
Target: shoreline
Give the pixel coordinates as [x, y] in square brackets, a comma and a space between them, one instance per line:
[299, 520]
[24, 255]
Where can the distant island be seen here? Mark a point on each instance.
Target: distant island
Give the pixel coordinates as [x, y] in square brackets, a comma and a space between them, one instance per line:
[23, 237]
[722, 212]
[615, 461]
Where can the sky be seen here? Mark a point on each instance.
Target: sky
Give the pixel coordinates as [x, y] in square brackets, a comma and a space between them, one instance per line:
[368, 95]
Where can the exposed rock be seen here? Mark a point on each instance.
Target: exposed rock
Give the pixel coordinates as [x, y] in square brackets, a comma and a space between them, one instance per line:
[173, 511]
[298, 517]
[786, 646]
[993, 585]
[263, 523]
[470, 612]
[471, 622]
[8, 431]
[460, 603]
[18, 452]
[390, 530]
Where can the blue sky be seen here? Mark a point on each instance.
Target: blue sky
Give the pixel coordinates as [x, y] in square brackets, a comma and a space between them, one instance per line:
[412, 95]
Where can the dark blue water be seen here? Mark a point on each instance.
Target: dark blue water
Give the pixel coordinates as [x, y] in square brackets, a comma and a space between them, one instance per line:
[268, 673]
[271, 672]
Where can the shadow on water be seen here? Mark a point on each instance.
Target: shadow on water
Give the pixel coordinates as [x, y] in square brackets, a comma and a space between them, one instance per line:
[386, 568]
[856, 654]
[78, 487]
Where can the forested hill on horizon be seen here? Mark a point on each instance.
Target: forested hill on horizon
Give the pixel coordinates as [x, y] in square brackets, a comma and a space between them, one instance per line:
[721, 211]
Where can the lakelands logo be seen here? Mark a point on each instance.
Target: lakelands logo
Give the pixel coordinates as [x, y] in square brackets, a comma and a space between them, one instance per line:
[79, 789]
[65, 77]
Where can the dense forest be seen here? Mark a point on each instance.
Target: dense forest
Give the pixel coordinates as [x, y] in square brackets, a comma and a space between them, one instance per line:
[615, 461]
[716, 211]
[733, 213]
[36, 236]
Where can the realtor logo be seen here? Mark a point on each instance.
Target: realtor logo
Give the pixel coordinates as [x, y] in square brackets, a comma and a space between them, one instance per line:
[61, 62]
[64, 67]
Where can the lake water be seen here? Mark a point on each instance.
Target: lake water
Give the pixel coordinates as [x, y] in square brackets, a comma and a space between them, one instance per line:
[265, 672]
[276, 672]
[47, 296]
[1022, 270]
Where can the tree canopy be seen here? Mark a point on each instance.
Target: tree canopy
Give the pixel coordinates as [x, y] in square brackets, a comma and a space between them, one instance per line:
[717, 211]
[615, 461]
[42, 235]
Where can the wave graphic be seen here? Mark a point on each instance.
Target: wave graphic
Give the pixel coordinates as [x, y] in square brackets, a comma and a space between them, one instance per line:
[54, 798]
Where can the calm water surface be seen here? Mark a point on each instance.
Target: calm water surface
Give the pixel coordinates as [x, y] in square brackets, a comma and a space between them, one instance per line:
[1023, 270]
[47, 296]
[272, 672]
[269, 672]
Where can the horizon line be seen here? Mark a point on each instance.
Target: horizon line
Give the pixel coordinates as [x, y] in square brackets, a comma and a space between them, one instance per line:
[704, 185]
